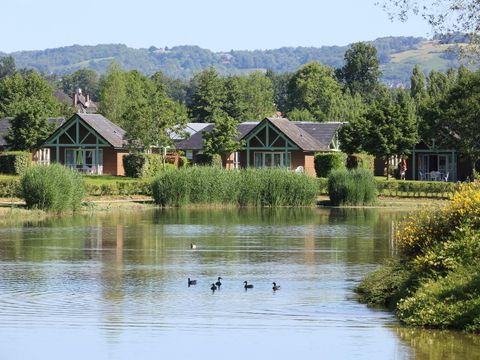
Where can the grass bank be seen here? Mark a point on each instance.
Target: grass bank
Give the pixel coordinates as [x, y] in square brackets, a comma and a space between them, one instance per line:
[435, 279]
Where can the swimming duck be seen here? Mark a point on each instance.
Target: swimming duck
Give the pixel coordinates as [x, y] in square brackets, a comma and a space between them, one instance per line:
[275, 287]
[193, 246]
[248, 286]
[218, 283]
[191, 282]
[213, 287]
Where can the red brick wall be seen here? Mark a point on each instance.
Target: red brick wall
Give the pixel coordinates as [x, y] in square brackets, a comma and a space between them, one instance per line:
[113, 161]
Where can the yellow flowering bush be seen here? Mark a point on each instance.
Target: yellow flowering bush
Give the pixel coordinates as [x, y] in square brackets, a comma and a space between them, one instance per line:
[431, 226]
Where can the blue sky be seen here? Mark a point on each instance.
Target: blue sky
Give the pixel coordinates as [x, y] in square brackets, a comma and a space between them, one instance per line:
[213, 24]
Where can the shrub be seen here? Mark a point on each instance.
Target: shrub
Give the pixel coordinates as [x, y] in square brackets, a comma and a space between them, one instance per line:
[9, 186]
[360, 161]
[183, 162]
[436, 279]
[142, 165]
[329, 161]
[213, 185]
[52, 188]
[15, 162]
[352, 187]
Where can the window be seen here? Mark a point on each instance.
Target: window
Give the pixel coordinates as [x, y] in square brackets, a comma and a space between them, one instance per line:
[84, 160]
[272, 159]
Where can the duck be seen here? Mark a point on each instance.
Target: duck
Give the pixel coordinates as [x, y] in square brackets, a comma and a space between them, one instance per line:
[193, 246]
[191, 282]
[218, 283]
[275, 286]
[247, 286]
[213, 287]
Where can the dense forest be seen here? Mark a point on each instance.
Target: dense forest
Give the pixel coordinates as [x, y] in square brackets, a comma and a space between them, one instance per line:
[397, 57]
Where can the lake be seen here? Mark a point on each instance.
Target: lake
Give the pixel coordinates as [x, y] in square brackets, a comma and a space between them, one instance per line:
[114, 286]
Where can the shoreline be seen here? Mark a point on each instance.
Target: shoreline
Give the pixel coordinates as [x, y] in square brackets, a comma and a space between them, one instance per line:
[13, 210]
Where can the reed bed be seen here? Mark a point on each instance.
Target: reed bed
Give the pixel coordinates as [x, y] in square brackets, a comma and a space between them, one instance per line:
[352, 187]
[249, 187]
[52, 188]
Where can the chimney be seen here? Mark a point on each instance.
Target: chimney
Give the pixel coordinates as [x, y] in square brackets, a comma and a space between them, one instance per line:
[75, 100]
[87, 99]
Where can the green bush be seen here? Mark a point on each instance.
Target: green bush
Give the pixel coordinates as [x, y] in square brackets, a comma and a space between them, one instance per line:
[52, 188]
[15, 162]
[322, 186]
[411, 188]
[329, 161]
[435, 279]
[9, 186]
[360, 161]
[183, 162]
[352, 187]
[142, 165]
[213, 185]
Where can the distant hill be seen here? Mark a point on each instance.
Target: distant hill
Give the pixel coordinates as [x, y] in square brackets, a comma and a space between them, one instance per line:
[397, 55]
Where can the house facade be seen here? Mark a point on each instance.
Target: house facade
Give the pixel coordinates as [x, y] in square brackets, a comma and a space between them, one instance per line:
[274, 142]
[89, 143]
[429, 162]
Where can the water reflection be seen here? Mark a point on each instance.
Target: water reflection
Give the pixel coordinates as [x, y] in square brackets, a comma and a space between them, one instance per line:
[439, 345]
[118, 282]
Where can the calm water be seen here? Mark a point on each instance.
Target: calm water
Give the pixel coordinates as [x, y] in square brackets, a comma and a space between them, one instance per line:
[115, 287]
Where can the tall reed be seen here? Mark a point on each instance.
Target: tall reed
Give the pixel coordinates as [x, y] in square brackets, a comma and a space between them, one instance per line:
[352, 187]
[52, 188]
[250, 187]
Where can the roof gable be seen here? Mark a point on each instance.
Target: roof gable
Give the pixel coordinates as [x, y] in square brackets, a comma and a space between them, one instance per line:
[104, 128]
[308, 136]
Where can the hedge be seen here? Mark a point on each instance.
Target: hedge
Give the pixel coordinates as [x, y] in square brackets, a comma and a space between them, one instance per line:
[360, 161]
[410, 188]
[15, 162]
[142, 165]
[328, 161]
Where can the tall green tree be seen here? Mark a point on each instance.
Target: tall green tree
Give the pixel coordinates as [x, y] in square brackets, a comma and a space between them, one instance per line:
[29, 100]
[459, 113]
[249, 97]
[313, 88]
[176, 89]
[221, 140]
[207, 94]
[113, 94]
[361, 71]
[280, 89]
[146, 112]
[85, 79]
[388, 126]
[417, 84]
[7, 67]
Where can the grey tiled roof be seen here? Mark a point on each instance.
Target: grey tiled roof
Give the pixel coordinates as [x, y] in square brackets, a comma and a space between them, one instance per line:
[323, 132]
[299, 136]
[190, 129]
[106, 129]
[194, 142]
[307, 136]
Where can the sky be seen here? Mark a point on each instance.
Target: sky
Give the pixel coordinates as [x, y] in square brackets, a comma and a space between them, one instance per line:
[211, 24]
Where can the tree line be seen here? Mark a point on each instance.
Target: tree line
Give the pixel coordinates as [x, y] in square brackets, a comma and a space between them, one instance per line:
[438, 107]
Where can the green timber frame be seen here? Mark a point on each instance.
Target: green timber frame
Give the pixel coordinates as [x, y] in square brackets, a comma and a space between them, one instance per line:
[452, 166]
[267, 137]
[76, 134]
